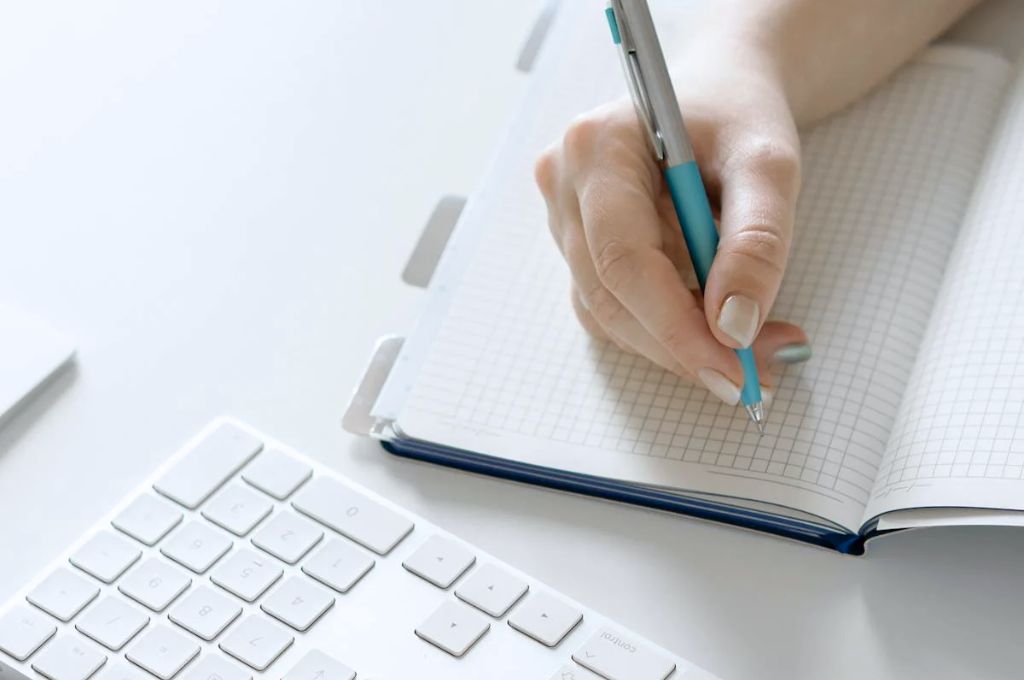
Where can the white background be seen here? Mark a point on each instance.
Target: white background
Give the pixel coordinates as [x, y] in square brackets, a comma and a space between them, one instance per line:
[216, 199]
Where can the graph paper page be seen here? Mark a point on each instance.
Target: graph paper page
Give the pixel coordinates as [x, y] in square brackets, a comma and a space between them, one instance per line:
[500, 366]
[959, 438]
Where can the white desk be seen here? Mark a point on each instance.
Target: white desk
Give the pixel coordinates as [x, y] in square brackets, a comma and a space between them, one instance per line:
[216, 199]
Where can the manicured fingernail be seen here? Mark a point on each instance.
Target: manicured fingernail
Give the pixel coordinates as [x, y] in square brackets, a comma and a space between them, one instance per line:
[792, 354]
[739, 318]
[720, 386]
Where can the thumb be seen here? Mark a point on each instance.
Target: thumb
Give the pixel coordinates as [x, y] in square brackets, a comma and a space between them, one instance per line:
[757, 199]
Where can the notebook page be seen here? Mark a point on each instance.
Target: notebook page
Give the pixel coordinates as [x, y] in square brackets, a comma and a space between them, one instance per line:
[504, 368]
[959, 438]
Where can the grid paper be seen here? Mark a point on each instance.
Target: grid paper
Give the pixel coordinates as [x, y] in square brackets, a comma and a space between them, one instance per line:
[874, 231]
[964, 413]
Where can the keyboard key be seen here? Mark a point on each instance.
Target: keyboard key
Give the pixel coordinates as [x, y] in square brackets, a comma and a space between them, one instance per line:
[112, 623]
[338, 565]
[298, 603]
[9, 673]
[247, 574]
[288, 537]
[205, 612]
[63, 594]
[618, 656]
[440, 561]
[216, 667]
[492, 590]
[319, 666]
[148, 519]
[454, 628]
[352, 514]
[163, 651]
[576, 673]
[155, 584]
[257, 642]
[276, 473]
[238, 509]
[208, 465]
[106, 556]
[23, 631]
[68, 657]
[545, 618]
[118, 670]
[197, 546]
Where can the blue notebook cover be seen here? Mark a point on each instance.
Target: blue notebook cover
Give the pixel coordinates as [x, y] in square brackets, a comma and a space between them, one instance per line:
[624, 492]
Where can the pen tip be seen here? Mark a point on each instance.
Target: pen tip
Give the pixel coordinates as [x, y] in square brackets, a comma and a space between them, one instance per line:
[756, 414]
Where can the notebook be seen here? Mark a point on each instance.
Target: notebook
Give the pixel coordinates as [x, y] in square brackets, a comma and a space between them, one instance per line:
[905, 274]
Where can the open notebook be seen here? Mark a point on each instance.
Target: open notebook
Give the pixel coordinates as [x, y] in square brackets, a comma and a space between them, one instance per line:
[906, 275]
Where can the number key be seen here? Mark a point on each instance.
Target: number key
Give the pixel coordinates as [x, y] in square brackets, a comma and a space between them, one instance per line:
[237, 509]
[205, 612]
[247, 574]
[155, 584]
[319, 666]
[288, 537]
[197, 546]
[298, 603]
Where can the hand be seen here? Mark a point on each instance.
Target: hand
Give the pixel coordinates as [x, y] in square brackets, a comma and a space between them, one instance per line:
[613, 220]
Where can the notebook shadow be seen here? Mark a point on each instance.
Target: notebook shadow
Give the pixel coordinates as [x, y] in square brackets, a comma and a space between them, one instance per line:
[952, 590]
[15, 423]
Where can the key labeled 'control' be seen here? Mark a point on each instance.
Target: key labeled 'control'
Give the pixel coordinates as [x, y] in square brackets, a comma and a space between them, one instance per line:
[617, 656]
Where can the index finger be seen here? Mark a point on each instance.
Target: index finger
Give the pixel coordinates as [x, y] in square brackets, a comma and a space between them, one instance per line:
[624, 235]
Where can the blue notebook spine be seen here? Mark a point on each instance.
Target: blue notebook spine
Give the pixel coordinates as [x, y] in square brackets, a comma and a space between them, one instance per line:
[613, 490]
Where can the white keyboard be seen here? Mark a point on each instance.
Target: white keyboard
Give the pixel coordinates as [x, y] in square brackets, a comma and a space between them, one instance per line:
[240, 559]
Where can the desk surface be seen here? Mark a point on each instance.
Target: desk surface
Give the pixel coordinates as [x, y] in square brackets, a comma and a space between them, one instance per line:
[216, 200]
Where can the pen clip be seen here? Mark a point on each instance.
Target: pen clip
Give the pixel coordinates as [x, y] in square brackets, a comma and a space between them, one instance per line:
[635, 77]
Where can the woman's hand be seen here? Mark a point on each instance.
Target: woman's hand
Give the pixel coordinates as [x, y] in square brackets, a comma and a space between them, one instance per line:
[753, 68]
[611, 215]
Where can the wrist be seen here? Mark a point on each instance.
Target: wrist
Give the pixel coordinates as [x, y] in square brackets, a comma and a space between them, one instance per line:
[740, 54]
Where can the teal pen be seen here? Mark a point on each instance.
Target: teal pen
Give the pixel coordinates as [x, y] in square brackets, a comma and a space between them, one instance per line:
[658, 110]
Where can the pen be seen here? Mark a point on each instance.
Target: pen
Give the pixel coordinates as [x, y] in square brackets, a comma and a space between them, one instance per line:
[654, 97]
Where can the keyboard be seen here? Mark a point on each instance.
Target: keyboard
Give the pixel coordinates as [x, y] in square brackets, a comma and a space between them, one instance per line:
[241, 559]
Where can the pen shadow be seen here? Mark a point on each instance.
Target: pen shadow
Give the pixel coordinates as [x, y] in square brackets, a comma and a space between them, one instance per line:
[17, 422]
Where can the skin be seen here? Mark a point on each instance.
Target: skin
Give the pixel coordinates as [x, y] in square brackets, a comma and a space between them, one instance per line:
[757, 71]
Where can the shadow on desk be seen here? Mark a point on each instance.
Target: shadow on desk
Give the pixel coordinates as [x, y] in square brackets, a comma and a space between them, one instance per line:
[15, 423]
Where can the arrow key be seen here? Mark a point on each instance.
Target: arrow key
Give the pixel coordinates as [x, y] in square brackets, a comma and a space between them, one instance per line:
[454, 628]
[319, 666]
[491, 590]
[440, 561]
[545, 618]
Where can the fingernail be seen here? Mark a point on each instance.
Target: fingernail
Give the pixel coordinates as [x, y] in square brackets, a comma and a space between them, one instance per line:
[720, 386]
[738, 319]
[767, 396]
[792, 354]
